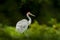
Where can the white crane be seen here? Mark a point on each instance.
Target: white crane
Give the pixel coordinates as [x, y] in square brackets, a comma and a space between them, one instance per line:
[22, 25]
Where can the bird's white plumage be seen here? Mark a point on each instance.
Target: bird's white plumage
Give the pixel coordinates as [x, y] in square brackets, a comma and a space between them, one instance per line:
[22, 25]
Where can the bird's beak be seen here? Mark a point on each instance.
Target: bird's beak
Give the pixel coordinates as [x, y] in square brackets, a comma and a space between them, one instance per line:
[32, 15]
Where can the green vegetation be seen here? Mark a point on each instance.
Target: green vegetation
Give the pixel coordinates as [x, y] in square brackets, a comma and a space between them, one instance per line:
[35, 32]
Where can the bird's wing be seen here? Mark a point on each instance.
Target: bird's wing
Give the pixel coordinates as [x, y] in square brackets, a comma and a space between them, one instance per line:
[22, 25]
[22, 21]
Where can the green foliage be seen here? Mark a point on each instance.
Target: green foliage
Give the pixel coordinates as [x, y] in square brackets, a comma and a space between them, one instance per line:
[35, 32]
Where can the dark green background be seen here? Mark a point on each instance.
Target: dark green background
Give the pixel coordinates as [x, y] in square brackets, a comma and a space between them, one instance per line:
[13, 10]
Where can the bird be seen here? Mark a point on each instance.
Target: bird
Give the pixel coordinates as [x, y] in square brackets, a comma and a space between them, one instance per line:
[23, 24]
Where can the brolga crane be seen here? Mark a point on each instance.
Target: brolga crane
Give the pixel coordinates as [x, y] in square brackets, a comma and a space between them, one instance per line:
[22, 25]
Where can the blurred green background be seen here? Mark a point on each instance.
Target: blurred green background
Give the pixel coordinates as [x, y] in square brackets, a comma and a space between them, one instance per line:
[45, 25]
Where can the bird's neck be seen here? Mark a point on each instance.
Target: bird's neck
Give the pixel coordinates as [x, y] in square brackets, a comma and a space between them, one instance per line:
[29, 19]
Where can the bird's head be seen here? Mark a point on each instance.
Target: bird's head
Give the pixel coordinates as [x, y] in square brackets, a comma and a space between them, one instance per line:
[29, 13]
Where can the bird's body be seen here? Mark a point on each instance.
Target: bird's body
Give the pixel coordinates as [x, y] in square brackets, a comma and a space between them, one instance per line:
[22, 25]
